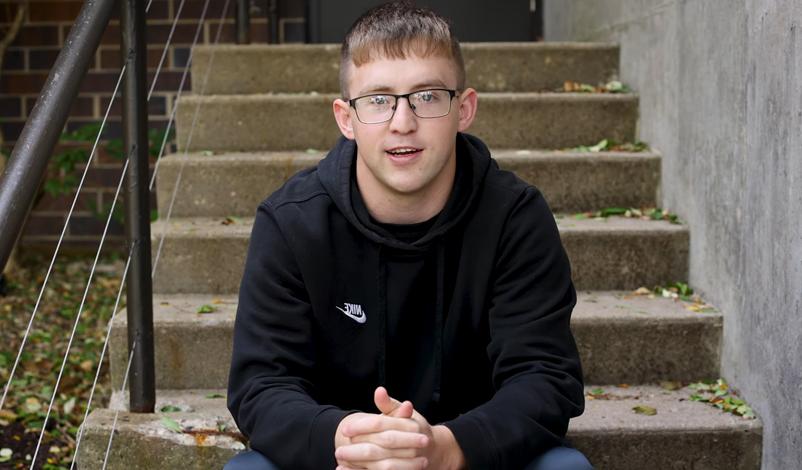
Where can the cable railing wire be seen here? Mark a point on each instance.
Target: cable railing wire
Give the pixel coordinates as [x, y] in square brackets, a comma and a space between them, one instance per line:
[188, 142]
[166, 48]
[117, 412]
[78, 315]
[60, 240]
[105, 345]
[64, 231]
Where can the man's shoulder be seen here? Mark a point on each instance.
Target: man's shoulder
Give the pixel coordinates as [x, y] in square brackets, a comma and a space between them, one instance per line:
[300, 188]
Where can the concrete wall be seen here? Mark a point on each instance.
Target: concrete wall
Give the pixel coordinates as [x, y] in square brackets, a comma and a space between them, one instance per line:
[721, 96]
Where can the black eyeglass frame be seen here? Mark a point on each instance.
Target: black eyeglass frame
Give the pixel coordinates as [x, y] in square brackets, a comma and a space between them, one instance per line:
[451, 93]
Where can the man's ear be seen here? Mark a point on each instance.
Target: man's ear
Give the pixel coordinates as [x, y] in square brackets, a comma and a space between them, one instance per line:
[468, 102]
[342, 114]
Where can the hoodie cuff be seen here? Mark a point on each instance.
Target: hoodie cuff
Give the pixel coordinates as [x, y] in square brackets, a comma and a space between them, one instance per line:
[321, 437]
[476, 445]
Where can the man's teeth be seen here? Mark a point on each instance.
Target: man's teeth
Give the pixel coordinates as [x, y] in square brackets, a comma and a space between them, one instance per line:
[403, 151]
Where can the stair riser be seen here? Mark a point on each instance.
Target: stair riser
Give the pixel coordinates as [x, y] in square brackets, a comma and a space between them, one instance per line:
[198, 356]
[288, 122]
[626, 261]
[488, 67]
[222, 186]
[600, 261]
[682, 449]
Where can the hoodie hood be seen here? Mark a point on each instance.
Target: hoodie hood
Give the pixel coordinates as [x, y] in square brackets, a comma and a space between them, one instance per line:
[473, 160]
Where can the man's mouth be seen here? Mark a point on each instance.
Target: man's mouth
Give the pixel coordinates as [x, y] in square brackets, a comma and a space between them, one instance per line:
[403, 152]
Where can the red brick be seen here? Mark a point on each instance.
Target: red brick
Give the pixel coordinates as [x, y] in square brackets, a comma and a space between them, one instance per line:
[101, 177]
[73, 245]
[7, 14]
[12, 128]
[38, 224]
[61, 203]
[15, 83]
[110, 58]
[259, 32]
[10, 106]
[38, 35]
[194, 8]
[93, 225]
[112, 129]
[99, 82]
[62, 10]
[83, 106]
[169, 81]
[42, 59]
[157, 106]
[112, 34]
[184, 33]
[14, 59]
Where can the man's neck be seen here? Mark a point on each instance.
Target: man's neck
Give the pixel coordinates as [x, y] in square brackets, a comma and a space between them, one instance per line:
[392, 207]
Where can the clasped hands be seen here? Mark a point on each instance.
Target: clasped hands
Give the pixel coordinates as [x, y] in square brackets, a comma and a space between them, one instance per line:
[399, 438]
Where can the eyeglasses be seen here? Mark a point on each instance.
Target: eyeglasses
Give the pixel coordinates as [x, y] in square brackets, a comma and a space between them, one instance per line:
[378, 108]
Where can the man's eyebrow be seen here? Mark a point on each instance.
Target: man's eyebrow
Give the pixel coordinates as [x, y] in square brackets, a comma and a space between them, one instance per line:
[384, 88]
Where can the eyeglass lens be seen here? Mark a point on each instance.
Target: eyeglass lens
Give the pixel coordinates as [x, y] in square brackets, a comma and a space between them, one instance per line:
[425, 104]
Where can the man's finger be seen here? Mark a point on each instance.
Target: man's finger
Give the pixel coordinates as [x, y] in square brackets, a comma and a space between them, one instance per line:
[418, 463]
[394, 439]
[389, 406]
[377, 423]
[369, 452]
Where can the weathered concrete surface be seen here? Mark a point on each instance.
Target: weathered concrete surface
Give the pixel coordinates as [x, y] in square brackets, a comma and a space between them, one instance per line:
[292, 68]
[143, 442]
[233, 184]
[621, 339]
[302, 121]
[634, 339]
[682, 435]
[207, 255]
[721, 99]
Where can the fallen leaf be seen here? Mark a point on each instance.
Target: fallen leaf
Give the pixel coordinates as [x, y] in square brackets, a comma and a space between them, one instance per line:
[214, 395]
[5, 454]
[206, 308]
[169, 409]
[644, 410]
[171, 424]
[671, 385]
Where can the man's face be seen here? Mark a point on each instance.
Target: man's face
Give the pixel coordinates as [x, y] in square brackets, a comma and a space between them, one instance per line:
[426, 169]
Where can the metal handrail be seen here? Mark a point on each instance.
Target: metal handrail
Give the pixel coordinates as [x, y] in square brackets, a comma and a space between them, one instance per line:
[29, 160]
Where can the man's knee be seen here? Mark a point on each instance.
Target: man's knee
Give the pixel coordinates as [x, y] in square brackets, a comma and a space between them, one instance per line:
[251, 460]
[561, 458]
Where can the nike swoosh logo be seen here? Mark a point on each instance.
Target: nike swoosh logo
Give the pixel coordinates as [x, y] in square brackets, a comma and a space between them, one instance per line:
[354, 312]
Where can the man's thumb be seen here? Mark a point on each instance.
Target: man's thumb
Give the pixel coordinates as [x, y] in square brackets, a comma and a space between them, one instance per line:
[390, 406]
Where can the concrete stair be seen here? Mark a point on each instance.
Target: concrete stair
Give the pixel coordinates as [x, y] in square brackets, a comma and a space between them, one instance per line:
[266, 114]
[204, 255]
[622, 338]
[233, 184]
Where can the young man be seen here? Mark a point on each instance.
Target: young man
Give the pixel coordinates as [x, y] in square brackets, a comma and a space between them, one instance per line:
[405, 304]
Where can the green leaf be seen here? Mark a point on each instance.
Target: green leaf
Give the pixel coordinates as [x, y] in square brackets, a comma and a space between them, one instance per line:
[215, 395]
[602, 145]
[206, 308]
[171, 424]
[597, 391]
[644, 410]
[607, 212]
[169, 409]
[5, 454]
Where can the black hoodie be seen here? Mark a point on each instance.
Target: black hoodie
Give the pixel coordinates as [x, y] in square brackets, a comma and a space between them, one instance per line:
[470, 321]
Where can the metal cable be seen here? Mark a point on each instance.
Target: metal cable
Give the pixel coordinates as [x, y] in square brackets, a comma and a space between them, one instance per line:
[166, 48]
[117, 412]
[189, 141]
[60, 240]
[80, 311]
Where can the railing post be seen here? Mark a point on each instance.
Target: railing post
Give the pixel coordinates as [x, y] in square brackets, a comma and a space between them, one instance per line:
[272, 19]
[139, 293]
[243, 21]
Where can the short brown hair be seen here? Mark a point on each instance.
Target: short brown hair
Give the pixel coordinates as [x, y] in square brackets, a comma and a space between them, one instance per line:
[394, 30]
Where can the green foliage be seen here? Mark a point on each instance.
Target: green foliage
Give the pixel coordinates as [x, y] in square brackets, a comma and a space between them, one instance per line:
[610, 145]
[718, 394]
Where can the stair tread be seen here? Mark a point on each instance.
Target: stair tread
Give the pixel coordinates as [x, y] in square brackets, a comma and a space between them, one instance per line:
[210, 227]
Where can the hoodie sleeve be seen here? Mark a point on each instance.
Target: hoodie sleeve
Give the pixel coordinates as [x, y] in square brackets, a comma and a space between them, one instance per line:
[270, 392]
[536, 369]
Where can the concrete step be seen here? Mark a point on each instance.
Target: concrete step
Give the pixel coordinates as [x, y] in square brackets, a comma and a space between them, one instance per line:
[621, 339]
[504, 120]
[683, 434]
[296, 68]
[233, 184]
[204, 255]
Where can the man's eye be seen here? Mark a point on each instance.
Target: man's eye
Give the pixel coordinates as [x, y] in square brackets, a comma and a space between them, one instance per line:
[379, 100]
[426, 96]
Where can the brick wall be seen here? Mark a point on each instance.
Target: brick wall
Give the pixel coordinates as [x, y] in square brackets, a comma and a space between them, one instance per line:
[30, 57]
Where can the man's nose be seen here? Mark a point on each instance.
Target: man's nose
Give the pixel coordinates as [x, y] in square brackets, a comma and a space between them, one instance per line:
[404, 119]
